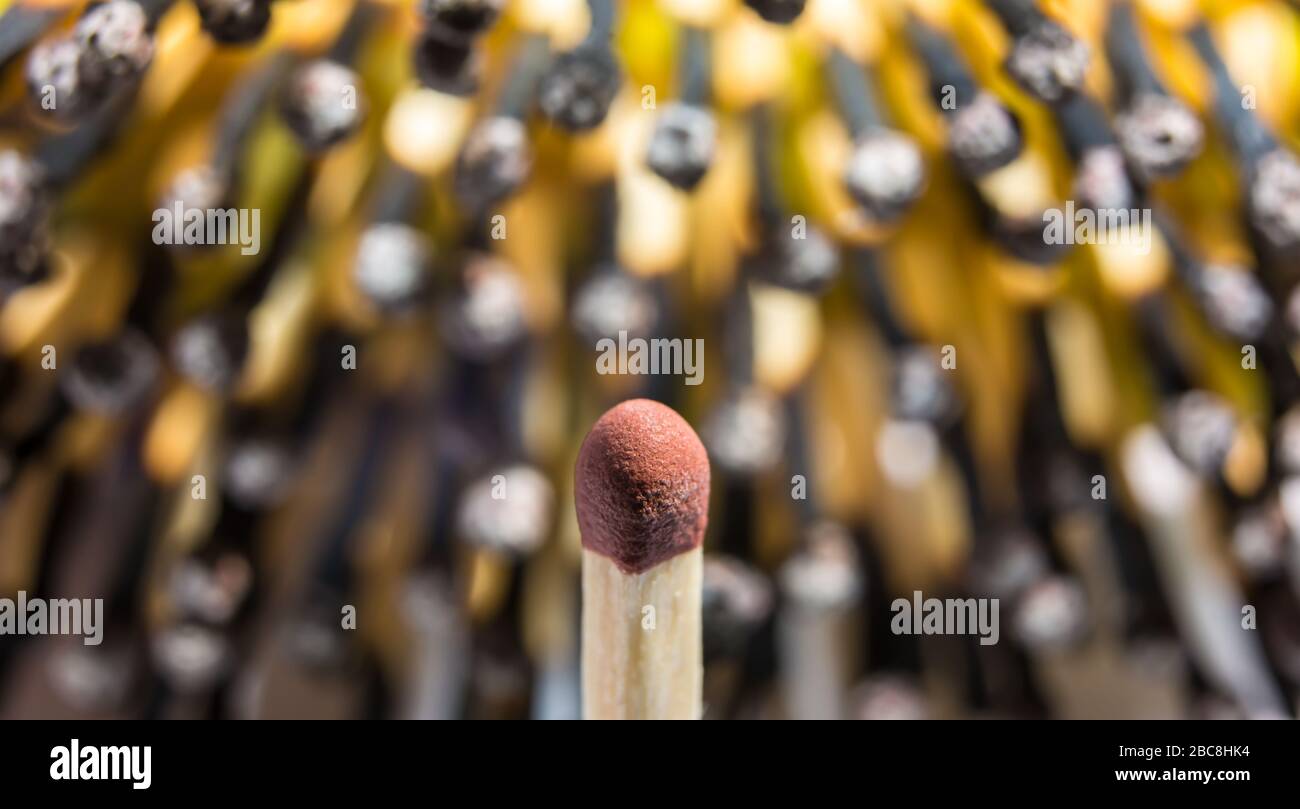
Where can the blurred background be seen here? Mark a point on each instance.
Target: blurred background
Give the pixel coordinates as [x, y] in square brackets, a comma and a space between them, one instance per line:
[318, 461]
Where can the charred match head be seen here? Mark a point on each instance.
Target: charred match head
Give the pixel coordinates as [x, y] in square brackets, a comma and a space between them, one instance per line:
[23, 210]
[1275, 199]
[1159, 135]
[1048, 62]
[322, 104]
[984, 135]
[642, 486]
[885, 174]
[234, 22]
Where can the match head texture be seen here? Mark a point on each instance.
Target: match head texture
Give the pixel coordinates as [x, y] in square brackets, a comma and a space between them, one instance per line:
[642, 486]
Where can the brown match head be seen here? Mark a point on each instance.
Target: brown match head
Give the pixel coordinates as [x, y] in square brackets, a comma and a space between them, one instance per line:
[642, 486]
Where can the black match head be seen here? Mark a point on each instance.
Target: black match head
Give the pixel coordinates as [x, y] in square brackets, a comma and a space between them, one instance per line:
[1006, 563]
[446, 63]
[257, 473]
[234, 22]
[462, 19]
[494, 163]
[736, 601]
[1233, 300]
[1259, 540]
[115, 41]
[1275, 199]
[804, 260]
[322, 104]
[1026, 239]
[1102, 182]
[681, 146]
[1159, 135]
[392, 266]
[93, 677]
[885, 174]
[211, 349]
[485, 315]
[112, 376]
[55, 84]
[890, 697]
[781, 12]
[983, 135]
[1048, 62]
[23, 211]
[1201, 428]
[578, 87]
[202, 187]
[1052, 615]
[745, 433]
[920, 390]
[508, 511]
[612, 301]
[191, 657]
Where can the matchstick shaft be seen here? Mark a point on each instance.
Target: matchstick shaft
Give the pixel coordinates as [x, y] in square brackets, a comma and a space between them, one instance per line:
[637, 663]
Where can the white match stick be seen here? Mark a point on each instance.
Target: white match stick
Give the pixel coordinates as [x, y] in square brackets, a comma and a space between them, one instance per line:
[642, 496]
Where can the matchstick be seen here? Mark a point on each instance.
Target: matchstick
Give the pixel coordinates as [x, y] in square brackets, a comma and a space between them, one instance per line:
[1045, 59]
[642, 494]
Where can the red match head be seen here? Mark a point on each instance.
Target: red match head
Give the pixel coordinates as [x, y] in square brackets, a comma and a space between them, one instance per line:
[642, 486]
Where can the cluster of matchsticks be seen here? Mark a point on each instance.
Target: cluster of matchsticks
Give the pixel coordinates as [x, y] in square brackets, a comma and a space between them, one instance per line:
[993, 302]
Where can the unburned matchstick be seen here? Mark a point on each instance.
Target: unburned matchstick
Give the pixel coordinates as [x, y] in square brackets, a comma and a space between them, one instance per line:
[642, 494]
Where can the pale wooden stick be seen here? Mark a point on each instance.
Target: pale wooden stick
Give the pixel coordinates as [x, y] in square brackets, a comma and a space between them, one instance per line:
[641, 639]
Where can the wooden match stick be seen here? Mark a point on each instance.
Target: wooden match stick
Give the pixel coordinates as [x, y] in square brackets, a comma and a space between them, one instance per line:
[642, 495]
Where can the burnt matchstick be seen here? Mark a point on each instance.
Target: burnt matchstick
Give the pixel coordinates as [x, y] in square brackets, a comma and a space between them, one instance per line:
[579, 86]
[817, 626]
[322, 104]
[1234, 302]
[483, 316]
[323, 101]
[781, 12]
[1204, 595]
[21, 25]
[1045, 59]
[641, 489]
[609, 299]
[446, 62]
[1101, 179]
[1159, 134]
[497, 157]
[885, 174]
[983, 135]
[106, 53]
[1270, 172]
[317, 638]
[460, 19]
[107, 377]
[213, 184]
[683, 141]
[24, 207]
[737, 606]
[393, 257]
[234, 22]
[791, 254]
[1200, 425]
